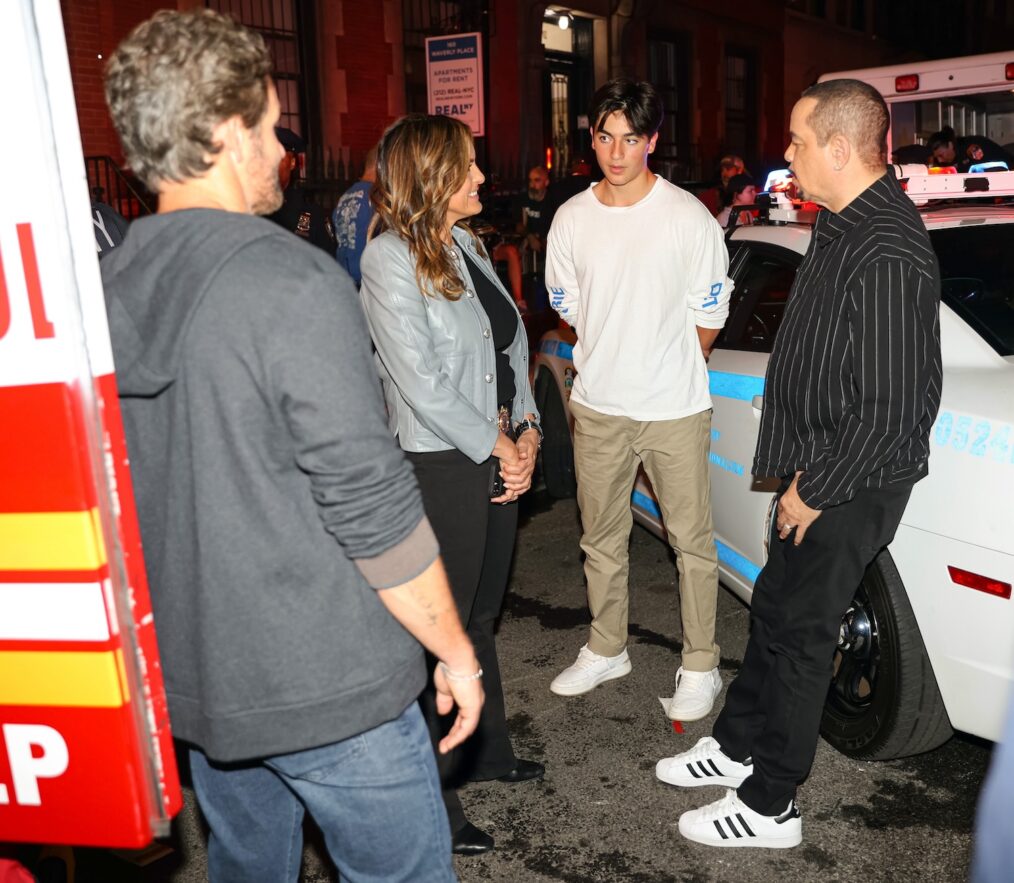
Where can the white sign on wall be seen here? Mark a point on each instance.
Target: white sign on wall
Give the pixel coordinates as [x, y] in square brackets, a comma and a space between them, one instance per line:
[454, 78]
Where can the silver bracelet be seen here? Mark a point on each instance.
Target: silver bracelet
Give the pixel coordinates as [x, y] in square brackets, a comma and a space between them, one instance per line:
[452, 676]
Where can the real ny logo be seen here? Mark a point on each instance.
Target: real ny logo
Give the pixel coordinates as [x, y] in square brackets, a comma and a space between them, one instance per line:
[712, 300]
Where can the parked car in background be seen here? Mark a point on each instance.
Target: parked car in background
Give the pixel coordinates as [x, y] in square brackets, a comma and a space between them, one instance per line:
[927, 645]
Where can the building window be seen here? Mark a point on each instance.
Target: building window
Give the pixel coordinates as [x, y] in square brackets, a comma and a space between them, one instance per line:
[559, 114]
[669, 71]
[740, 104]
[277, 22]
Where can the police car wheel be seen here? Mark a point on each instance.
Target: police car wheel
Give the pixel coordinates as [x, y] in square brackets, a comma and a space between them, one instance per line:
[884, 701]
[556, 459]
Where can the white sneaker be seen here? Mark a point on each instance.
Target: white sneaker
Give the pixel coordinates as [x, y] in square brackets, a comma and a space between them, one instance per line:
[704, 764]
[589, 671]
[696, 692]
[730, 822]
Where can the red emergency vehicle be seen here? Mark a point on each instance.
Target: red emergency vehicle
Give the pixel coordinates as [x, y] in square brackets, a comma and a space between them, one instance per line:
[85, 750]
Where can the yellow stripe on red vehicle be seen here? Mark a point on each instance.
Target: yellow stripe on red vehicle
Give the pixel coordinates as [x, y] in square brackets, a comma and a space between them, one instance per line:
[69, 679]
[51, 541]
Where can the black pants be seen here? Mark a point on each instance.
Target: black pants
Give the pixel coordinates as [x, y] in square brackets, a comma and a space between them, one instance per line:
[773, 709]
[477, 543]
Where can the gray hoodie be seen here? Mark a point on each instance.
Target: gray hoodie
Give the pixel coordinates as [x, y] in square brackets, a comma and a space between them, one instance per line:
[272, 499]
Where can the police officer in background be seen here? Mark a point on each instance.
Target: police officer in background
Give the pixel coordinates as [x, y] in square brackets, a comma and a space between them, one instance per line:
[298, 214]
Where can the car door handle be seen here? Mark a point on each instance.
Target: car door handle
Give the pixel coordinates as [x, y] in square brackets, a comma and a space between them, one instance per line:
[758, 403]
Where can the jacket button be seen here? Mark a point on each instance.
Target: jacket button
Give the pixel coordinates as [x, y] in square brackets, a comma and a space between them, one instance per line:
[485, 333]
[469, 294]
[488, 378]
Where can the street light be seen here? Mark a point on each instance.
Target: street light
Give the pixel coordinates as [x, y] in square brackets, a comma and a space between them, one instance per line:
[564, 21]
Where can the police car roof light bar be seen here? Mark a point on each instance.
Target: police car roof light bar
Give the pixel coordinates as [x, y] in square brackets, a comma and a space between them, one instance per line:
[921, 186]
[920, 183]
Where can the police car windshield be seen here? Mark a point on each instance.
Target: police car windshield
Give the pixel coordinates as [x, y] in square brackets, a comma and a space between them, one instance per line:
[977, 274]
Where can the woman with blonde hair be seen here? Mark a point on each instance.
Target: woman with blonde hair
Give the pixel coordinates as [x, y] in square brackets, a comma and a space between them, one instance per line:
[453, 360]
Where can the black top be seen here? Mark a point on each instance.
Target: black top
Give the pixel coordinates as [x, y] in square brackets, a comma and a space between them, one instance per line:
[972, 149]
[503, 326]
[853, 384]
[534, 214]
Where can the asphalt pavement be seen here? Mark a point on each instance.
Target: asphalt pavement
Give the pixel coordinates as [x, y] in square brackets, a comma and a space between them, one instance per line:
[600, 815]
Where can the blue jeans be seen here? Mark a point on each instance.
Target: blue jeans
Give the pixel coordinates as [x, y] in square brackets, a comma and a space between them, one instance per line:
[993, 851]
[375, 796]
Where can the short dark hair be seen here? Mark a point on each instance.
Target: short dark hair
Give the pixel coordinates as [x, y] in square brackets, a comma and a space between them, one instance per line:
[637, 101]
[854, 109]
[173, 79]
[939, 139]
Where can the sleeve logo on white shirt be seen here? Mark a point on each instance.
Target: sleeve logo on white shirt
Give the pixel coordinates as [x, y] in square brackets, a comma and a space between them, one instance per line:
[712, 300]
[556, 296]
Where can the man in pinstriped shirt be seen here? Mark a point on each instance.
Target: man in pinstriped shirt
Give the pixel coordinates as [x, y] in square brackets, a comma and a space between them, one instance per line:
[852, 389]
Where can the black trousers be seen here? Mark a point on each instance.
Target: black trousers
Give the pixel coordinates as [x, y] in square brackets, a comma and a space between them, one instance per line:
[773, 708]
[477, 543]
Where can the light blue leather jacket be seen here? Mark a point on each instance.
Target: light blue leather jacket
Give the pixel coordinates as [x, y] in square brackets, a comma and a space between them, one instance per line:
[436, 356]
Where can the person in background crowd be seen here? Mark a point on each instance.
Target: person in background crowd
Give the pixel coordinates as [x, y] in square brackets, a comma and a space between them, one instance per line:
[728, 167]
[740, 190]
[110, 228]
[851, 392]
[532, 213]
[351, 218]
[640, 268]
[946, 149]
[453, 359]
[297, 214]
[293, 571]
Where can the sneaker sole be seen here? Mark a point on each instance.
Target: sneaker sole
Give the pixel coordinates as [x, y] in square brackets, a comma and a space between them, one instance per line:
[703, 782]
[618, 672]
[737, 842]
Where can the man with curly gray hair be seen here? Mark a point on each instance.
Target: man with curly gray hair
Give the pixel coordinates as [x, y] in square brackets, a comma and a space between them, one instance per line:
[293, 572]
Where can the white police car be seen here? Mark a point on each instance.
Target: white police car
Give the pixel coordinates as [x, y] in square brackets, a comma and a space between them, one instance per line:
[927, 644]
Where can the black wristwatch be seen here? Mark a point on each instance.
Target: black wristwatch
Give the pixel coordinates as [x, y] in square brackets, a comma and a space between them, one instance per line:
[527, 424]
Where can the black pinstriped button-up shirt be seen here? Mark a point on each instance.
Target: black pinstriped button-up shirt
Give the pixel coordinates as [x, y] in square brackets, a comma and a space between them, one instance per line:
[853, 384]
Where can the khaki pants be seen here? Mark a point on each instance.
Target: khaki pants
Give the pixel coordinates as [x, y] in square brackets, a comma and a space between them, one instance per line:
[674, 453]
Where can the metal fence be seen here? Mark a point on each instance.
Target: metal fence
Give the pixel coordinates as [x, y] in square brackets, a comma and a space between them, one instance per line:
[108, 183]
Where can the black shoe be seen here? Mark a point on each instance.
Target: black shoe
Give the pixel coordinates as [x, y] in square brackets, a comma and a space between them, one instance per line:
[470, 841]
[524, 771]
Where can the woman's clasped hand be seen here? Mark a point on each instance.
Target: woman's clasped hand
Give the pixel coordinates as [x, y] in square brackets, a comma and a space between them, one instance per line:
[517, 463]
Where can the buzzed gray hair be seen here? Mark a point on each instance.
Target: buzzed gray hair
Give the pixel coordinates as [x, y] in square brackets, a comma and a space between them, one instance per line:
[173, 79]
[856, 110]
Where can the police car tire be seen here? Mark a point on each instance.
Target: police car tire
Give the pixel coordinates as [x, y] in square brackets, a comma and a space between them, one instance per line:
[556, 458]
[905, 714]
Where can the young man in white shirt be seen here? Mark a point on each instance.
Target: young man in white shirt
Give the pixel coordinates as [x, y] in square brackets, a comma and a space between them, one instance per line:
[639, 267]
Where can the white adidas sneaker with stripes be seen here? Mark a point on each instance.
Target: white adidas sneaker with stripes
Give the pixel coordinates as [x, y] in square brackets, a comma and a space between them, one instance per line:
[730, 822]
[704, 764]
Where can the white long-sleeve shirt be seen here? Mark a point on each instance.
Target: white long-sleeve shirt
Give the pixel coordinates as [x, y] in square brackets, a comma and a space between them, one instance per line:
[636, 281]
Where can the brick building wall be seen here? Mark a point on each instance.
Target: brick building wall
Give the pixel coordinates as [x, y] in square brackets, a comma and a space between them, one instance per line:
[362, 75]
[94, 28]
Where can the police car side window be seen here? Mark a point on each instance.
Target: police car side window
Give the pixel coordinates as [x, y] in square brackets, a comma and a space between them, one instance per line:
[763, 275]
